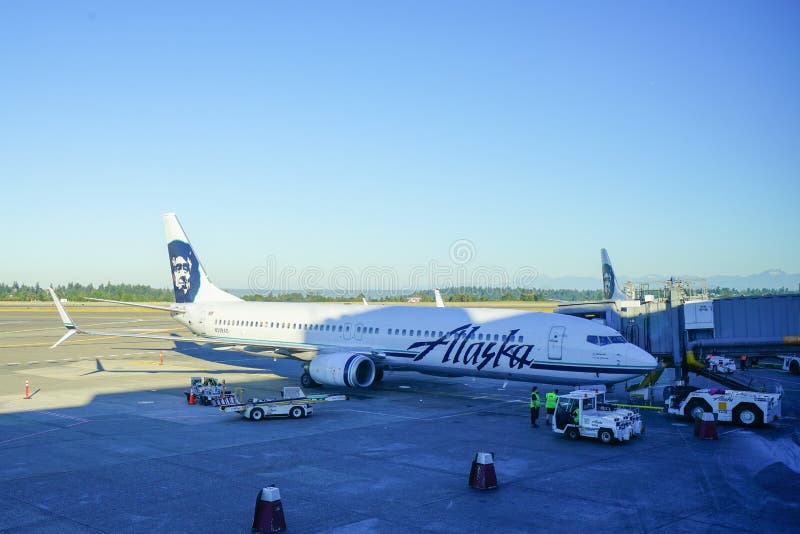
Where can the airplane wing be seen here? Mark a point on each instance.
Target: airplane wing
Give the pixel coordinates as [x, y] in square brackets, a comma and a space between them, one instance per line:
[281, 349]
[141, 305]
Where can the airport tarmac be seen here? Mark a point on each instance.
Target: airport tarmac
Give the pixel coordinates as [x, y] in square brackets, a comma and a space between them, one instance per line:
[107, 443]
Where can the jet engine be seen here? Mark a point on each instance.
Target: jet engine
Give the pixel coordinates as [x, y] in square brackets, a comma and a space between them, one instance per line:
[342, 369]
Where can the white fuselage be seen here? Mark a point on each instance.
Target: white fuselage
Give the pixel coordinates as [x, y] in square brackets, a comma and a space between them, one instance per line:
[493, 343]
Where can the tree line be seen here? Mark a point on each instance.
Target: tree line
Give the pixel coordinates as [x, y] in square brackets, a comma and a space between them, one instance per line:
[145, 293]
[75, 291]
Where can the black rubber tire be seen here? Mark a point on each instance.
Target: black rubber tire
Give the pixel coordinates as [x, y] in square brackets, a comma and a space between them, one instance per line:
[696, 405]
[296, 412]
[307, 382]
[256, 414]
[572, 432]
[794, 367]
[606, 436]
[748, 415]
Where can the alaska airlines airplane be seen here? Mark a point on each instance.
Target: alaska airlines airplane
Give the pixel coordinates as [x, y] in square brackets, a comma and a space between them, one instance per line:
[352, 345]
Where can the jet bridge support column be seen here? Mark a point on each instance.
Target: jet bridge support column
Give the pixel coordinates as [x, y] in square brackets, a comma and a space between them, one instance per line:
[675, 310]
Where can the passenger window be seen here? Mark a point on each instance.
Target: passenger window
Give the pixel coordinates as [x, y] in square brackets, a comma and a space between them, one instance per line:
[404, 331]
[427, 333]
[371, 330]
[496, 337]
[520, 339]
[441, 334]
[419, 333]
[480, 337]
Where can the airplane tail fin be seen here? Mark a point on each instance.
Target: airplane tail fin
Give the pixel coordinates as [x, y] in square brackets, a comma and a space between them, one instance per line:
[611, 290]
[189, 279]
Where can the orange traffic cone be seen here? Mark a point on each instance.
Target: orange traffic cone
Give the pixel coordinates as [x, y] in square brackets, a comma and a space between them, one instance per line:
[191, 398]
[268, 515]
[482, 475]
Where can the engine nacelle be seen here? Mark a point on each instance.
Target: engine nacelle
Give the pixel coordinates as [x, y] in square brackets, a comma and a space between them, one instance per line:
[343, 369]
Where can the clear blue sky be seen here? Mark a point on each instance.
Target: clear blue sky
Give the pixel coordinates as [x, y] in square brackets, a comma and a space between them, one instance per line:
[377, 134]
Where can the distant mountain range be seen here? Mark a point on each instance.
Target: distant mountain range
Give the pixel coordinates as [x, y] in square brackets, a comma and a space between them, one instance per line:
[772, 279]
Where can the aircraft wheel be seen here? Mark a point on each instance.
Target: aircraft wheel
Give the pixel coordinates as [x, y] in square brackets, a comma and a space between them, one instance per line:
[307, 382]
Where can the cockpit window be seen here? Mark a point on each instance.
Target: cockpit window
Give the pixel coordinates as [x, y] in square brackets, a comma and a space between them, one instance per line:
[605, 340]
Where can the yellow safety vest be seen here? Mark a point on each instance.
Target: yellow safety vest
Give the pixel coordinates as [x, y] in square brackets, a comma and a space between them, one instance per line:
[550, 399]
[535, 403]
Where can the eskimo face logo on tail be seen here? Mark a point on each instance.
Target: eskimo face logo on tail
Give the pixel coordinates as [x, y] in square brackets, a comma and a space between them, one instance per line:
[185, 271]
[608, 281]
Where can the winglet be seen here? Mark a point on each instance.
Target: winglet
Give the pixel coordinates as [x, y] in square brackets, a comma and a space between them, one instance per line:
[61, 311]
[71, 328]
[66, 336]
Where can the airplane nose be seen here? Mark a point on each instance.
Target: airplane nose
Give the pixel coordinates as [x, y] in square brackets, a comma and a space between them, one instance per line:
[640, 358]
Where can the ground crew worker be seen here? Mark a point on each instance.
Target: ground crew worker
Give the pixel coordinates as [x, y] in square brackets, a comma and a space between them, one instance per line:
[550, 400]
[744, 361]
[577, 418]
[535, 405]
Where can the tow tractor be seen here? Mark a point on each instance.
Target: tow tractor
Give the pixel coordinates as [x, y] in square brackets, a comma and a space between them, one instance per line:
[595, 418]
[747, 408]
[293, 404]
[791, 363]
[721, 364]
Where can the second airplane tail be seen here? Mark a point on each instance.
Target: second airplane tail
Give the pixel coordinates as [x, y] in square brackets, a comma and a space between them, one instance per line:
[611, 289]
[189, 279]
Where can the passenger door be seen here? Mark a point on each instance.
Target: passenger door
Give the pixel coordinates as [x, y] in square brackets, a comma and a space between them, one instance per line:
[554, 346]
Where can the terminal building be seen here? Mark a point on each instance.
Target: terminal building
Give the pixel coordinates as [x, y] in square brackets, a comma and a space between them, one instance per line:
[682, 327]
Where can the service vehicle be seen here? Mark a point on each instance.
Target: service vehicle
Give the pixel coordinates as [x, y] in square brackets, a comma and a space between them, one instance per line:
[205, 389]
[791, 363]
[721, 364]
[747, 408]
[585, 413]
[293, 404]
